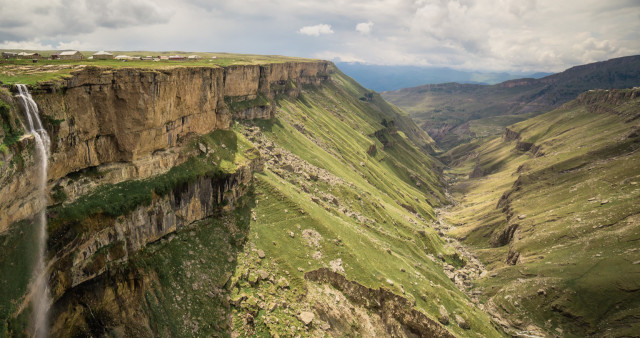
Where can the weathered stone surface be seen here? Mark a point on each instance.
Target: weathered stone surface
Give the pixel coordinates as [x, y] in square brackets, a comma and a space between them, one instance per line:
[124, 114]
[19, 193]
[166, 214]
[391, 307]
[306, 317]
[242, 80]
[504, 236]
[462, 322]
[510, 135]
[477, 172]
[443, 318]
[512, 257]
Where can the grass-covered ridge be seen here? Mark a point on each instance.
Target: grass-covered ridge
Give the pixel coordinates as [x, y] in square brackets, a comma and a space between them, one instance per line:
[575, 206]
[26, 72]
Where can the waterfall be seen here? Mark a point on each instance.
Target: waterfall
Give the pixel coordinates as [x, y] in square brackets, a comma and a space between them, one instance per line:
[40, 298]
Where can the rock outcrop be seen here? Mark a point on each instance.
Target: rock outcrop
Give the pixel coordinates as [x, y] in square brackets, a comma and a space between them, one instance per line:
[510, 135]
[125, 235]
[395, 310]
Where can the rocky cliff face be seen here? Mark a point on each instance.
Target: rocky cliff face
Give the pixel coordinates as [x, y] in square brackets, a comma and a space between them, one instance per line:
[397, 313]
[113, 126]
[121, 237]
[123, 117]
[125, 114]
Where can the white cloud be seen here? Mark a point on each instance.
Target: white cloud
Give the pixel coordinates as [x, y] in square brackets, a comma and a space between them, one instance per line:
[498, 35]
[364, 27]
[338, 57]
[316, 30]
[34, 44]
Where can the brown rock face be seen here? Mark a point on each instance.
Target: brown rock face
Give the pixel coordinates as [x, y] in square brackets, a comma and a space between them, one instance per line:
[123, 114]
[109, 116]
[87, 258]
[510, 135]
[242, 81]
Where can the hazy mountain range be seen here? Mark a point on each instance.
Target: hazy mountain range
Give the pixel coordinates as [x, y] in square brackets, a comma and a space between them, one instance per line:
[384, 78]
[453, 113]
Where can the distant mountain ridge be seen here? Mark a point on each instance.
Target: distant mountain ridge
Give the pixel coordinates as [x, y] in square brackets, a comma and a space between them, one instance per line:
[454, 113]
[385, 78]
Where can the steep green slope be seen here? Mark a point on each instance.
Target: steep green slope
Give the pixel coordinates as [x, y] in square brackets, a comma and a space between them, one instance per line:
[327, 200]
[324, 201]
[553, 212]
[455, 113]
[335, 227]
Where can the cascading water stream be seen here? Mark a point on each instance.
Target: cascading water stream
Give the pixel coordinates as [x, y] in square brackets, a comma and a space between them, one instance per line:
[40, 298]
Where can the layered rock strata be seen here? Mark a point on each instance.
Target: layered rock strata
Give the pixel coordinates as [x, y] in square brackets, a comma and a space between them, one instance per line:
[90, 255]
[104, 117]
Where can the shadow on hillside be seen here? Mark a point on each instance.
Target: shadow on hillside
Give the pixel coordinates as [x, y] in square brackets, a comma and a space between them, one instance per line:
[266, 125]
[177, 286]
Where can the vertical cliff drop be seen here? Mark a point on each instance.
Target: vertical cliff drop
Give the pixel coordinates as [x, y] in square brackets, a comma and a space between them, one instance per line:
[39, 289]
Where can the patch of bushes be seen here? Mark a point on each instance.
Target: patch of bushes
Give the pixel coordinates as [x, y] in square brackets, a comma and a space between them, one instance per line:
[122, 198]
[48, 120]
[58, 194]
[368, 97]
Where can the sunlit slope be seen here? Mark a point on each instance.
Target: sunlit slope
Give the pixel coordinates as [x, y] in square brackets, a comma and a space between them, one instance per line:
[554, 212]
[348, 186]
[327, 200]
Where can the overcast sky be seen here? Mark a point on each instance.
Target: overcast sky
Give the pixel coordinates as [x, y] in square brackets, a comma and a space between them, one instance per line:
[498, 35]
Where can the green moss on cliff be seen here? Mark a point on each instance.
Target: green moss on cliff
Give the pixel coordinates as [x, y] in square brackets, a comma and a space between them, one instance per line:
[226, 150]
[239, 104]
[11, 130]
[16, 264]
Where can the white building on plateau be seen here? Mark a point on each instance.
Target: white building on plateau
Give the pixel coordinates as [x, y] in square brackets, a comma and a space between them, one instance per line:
[102, 55]
[68, 55]
[25, 55]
